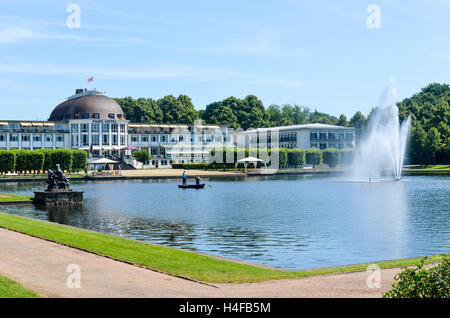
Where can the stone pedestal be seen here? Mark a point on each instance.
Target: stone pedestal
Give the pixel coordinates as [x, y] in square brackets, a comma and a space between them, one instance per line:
[59, 197]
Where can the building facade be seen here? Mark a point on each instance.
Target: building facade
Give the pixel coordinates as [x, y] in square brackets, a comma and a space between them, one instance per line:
[306, 136]
[91, 121]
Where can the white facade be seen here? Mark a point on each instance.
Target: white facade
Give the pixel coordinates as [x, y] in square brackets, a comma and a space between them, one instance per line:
[306, 136]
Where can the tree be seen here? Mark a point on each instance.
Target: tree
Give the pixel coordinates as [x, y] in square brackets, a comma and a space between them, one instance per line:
[359, 122]
[142, 156]
[295, 157]
[342, 121]
[79, 160]
[313, 156]
[331, 157]
[433, 145]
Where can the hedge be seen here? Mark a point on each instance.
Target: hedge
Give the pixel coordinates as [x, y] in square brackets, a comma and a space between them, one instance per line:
[313, 156]
[347, 156]
[295, 157]
[331, 157]
[7, 161]
[20, 160]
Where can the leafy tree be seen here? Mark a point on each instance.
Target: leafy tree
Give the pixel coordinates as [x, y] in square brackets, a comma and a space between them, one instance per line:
[79, 160]
[331, 157]
[142, 156]
[342, 121]
[313, 156]
[359, 122]
[433, 145]
[295, 157]
[7, 161]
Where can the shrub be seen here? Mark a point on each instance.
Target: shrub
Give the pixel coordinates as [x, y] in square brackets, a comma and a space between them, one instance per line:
[34, 160]
[7, 161]
[282, 157]
[79, 160]
[21, 160]
[331, 157]
[295, 157]
[142, 156]
[419, 282]
[191, 165]
[313, 156]
[347, 156]
[63, 157]
[47, 161]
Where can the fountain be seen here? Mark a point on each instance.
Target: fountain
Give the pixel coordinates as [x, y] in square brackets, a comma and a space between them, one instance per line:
[383, 146]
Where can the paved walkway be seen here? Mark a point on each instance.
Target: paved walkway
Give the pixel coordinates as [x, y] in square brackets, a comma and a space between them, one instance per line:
[42, 267]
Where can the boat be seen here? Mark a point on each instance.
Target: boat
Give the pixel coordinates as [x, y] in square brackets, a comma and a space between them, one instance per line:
[191, 186]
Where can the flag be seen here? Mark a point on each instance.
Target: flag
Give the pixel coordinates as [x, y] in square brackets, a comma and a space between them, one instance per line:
[90, 79]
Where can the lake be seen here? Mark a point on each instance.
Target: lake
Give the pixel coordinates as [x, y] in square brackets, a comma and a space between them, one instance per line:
[291, 222]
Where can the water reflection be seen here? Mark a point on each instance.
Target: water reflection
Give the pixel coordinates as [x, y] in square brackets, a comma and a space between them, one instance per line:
[290, 222]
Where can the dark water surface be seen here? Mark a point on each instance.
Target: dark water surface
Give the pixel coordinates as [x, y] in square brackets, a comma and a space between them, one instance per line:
[290, 222]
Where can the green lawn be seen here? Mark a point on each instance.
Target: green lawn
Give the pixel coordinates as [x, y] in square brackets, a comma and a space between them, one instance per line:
[429, 168]
[11, 289]
[166, 259]
[6, 197]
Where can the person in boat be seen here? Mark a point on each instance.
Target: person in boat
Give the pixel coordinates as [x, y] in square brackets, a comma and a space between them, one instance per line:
[197, 180]
[184, 177]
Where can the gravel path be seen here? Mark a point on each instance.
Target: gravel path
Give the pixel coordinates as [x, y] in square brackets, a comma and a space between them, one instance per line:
[42, 267]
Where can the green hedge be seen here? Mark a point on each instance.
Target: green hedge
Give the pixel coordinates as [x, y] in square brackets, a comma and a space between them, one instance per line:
[7, 161]
[347, 156]
[20, 160]
[295, 157]
[313, 156]
[331, 157]
[191, 165]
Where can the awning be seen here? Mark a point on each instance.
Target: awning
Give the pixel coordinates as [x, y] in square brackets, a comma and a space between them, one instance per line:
[88, 148]
[102, 161]
[37, 124]
[107, 148]
[250, 159]
[25, 124]
[187, 152]
[49, 124]
[3, 124]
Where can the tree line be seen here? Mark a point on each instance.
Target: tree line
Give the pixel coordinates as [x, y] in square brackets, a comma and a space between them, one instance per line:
[41, 160]
[429, 110]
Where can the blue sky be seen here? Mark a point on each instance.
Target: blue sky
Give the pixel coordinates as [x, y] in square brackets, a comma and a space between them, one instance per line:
[319, 54]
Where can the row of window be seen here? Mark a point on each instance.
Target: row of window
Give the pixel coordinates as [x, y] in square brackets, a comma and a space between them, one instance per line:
[37, 138]
[95, 127]
[94, 115]
[175, 139]
[325, 145]
[331, 136]
[95, 139]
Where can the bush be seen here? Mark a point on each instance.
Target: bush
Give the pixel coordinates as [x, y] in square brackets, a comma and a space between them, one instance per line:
[63, 157]
[282, 157]
[142, 156]
[79, 160]
[419, 282]
[47, 161]
[7, 161]
[21, 160]
[331, 157]
[295, 157]
[313, 156]
[191, 165]
[347, 156]
[34, 160]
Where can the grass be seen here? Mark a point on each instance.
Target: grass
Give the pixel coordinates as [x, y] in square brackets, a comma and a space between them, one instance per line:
[11, 289]
[429, 168]
[166, 259]
[5, 197]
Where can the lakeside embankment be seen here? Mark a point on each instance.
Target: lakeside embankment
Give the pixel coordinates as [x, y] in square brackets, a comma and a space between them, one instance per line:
[148, 270]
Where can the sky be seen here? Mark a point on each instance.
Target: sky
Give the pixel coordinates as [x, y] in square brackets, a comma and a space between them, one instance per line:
[336, 57]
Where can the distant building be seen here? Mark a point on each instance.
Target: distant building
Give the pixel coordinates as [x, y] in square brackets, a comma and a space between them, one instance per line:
[93, 122]
[306, 136]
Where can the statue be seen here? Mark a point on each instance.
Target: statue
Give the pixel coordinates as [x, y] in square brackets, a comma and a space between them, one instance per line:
[57, 180]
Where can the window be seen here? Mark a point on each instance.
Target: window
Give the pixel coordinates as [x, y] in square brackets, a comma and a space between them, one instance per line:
[25, 137]
[323, 135]
[163, 139]
[105, 140]
[13, 137]
[76, 116]
[95, 127]
[2, 138]
[105, 127]
[59, 138]
[37, 137]
[114, 127]
[119, 116]
[114, 140]
[48, 138]
[84, 140]
[74, 140]
[144, 139]
[96, 115]
[84, 128]
[86, 116]
[122, 128]
[111, 115]
[95, 140]
[134, 138]
[154, 138]
[74, 128]
[180, 138]
[122, 140]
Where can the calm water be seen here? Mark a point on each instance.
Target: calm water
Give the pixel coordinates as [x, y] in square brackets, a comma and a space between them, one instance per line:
[289, 222]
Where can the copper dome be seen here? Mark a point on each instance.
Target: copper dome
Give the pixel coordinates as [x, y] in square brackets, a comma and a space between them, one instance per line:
[95, 106]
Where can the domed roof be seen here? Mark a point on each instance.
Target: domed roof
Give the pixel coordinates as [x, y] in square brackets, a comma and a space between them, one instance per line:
[87, 104]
